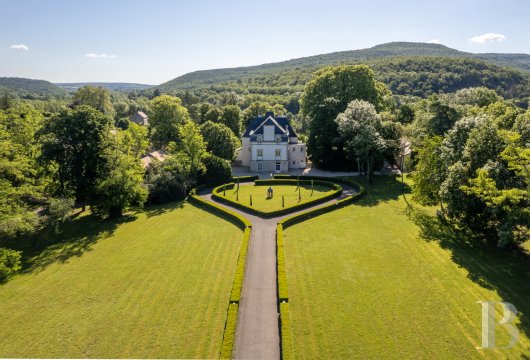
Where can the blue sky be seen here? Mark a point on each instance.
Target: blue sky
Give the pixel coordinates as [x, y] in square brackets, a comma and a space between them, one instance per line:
[153, 41]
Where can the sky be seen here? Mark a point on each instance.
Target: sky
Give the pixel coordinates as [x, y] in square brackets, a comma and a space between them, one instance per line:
[153, 41]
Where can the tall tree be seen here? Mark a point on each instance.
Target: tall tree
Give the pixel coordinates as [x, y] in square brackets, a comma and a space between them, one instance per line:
[135, 140]
[121, 186]
[166, 114]
[324, 97]
[231, 117]
[189, 151]
[360, 129]
[220, 141]
[74, 141]
[21, 179]
[429, 173]
[97, 97]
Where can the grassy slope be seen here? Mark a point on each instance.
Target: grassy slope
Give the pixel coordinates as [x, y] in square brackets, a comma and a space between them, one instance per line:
[154, 287]
[364, 283]
[260, 201]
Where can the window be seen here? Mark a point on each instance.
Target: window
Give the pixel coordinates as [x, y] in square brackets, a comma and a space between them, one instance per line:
[294, 149]
[260, 152]
[260, 166]
[260, 139]
[278, 152]
[301, 149]
[278, 139]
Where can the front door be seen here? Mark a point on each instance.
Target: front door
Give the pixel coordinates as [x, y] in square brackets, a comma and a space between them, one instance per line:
[278, 167]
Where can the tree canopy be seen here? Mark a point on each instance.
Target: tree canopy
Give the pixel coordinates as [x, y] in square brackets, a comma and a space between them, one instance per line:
[324, 97]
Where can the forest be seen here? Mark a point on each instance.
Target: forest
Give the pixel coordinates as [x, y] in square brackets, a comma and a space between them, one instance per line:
[467, 123]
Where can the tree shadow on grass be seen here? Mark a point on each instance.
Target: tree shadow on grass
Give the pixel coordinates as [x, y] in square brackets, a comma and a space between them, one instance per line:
[157, 210]
[383, 188]
[507, 272]
[74, 239]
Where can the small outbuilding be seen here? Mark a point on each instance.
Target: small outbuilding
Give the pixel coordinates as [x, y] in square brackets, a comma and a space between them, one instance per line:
[140, 118]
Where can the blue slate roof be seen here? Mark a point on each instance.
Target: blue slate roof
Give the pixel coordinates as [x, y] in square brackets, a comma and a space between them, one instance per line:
[282, 126]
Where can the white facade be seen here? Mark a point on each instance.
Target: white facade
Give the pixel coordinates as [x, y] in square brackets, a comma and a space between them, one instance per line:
[270, 145]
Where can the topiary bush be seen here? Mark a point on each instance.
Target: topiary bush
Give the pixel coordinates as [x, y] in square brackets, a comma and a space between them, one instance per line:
[9, 263]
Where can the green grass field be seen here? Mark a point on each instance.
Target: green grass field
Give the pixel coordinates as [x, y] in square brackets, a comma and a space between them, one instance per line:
[260, 201]
[368, 282]
[154, 286]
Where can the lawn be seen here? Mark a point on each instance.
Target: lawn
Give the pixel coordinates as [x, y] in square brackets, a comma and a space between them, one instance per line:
[367, 281]
[289, 193]
[156, 285]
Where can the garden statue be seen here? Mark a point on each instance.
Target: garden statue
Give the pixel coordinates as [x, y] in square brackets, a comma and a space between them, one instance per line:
[270, 192]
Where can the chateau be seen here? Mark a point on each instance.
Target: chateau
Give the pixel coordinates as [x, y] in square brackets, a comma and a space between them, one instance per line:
[270, 144]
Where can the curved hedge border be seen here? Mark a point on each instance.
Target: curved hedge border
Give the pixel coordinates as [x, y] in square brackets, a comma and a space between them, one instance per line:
[303, 205]
[286, 340]
[235, 295]
[232, 216]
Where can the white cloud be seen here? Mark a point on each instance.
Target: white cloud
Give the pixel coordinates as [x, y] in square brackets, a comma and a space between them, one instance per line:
[434, 41]
[19, 47]
[486, 38]
[100, 56]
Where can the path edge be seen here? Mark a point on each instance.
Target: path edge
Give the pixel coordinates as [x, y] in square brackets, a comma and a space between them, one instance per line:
[232, 311]
[284, 321]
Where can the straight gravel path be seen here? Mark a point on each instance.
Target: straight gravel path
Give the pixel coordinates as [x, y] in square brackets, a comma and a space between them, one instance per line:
[257, 331]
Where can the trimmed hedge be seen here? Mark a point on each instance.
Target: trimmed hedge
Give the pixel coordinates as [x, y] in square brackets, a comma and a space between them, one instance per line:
[283, 294]
[237, 219]
[303, 205]
[286, 337]
[235, 295]
[339, 180]
[229, 332]
[286, 340]
[248, 178]
[237, 285]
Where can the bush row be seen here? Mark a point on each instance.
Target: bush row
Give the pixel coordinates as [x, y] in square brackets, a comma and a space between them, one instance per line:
[229, 332]
[234, 217]
[286, 341]
[283, 295]
[248, 178]
[240, 270]
[217, 195]
[286, 338]
[235, 295]
[339, 180]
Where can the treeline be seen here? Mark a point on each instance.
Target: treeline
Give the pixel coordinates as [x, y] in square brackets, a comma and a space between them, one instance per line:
[472, 159]
[415, 76]
[470, 149]
[88, 155]
[30, 89]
